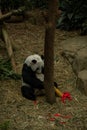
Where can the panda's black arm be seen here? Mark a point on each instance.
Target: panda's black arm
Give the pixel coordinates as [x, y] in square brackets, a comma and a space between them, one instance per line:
[34, 82]
[29, 77]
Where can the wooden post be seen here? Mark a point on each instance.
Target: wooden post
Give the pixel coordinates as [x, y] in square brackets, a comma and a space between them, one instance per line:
[49, 51]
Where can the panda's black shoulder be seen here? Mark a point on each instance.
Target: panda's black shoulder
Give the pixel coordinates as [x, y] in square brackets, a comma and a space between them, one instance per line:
[26, 69]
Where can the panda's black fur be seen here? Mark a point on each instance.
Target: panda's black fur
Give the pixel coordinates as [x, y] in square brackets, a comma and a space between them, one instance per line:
[34, 64]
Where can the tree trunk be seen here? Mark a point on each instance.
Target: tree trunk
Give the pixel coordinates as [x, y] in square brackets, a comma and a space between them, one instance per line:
[9, 47]
[0, 25]
[49, 51]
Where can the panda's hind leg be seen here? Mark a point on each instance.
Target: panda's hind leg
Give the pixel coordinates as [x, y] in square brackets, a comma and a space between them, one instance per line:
[39, 92]
[28, 93]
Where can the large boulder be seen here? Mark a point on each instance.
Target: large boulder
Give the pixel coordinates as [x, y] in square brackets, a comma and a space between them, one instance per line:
[75, 50]
[80, 61]
[82, 81]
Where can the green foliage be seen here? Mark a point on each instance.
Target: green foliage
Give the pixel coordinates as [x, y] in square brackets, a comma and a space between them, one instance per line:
[7, 5]
[6, 71]
[5, 125]
[84, 28]
[74, 14]
[39, 3]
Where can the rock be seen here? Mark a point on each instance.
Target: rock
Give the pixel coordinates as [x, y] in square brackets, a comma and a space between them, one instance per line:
[75, 50]
[80, 61]
[69, 55]
[82, 81]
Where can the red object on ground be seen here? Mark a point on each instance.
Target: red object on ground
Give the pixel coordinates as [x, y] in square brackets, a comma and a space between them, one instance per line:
[57, 114]
[66, 95]
[63, 116]
[52, 119]
[35, 102]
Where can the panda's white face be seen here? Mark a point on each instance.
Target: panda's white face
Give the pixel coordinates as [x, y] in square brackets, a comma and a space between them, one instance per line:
[35, 62]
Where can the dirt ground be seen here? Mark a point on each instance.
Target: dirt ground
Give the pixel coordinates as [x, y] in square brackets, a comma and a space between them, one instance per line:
[18, 113]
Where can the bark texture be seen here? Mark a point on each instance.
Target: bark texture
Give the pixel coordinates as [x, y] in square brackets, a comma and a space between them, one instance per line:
[49, 51]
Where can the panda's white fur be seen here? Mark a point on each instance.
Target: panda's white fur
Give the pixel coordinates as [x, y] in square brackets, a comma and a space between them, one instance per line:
[39, 65]
[32, 76]
[33, 66]
[40, 76]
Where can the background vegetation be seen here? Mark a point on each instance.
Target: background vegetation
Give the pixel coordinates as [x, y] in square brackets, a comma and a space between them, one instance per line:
[73, 14]
[6, 71]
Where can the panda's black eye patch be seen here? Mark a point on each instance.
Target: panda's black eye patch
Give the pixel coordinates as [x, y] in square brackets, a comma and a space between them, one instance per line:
[37, 69]
[43, 70]
[34, 61]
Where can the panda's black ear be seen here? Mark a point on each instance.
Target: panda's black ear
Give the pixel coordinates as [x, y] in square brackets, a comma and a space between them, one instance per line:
[42, 57]
[34, 61]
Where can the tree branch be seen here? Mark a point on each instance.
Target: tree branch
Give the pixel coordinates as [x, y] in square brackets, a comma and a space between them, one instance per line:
[7, 15]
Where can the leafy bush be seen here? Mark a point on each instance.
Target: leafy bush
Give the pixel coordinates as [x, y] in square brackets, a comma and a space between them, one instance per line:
[5, 125]
[7, 5]
[6, 71]
[39, 3]
[74, 14]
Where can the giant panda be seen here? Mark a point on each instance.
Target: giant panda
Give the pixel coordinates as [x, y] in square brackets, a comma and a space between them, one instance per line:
[32, 76]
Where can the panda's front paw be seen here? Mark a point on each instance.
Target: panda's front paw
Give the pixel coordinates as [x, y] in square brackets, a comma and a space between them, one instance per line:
[40, 76]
